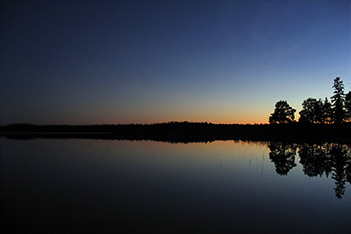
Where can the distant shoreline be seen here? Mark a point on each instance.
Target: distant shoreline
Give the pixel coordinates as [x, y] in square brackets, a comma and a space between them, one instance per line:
[185, 132]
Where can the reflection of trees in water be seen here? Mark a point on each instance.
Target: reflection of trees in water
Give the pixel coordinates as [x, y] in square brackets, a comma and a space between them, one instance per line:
[341, 161]
[317, 160]
[334, 159]
[283, 156]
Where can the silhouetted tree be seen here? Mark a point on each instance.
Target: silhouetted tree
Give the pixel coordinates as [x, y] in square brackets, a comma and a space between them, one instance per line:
[348, 105]
[283, 113]
[283, 156]
[318, 111]
[338, 101]
[312, 111]
[327, 111]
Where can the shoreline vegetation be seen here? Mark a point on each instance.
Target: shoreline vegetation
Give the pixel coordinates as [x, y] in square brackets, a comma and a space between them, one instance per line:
[186, 132]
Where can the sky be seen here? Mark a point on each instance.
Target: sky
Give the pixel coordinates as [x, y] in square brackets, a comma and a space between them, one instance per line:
[118, 62]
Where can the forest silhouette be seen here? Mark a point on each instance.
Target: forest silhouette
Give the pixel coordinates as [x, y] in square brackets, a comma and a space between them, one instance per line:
[316, 111]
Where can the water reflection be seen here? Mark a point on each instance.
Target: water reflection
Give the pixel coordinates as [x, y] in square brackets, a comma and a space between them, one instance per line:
[283, 156]
[107, 186]
[331, 160]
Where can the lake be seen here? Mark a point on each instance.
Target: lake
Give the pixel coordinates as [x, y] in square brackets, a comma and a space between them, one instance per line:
[111, 186]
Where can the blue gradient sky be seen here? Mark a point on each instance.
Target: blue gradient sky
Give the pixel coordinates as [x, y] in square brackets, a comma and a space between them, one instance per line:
[95, 62]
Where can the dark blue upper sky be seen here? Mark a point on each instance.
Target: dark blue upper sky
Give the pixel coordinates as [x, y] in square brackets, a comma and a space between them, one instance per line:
[93, 62]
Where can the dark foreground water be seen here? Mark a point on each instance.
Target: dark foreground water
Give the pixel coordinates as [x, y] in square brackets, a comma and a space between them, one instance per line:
[107, 186]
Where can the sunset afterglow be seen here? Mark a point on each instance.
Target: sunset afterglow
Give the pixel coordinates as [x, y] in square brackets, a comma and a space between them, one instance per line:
[110, 62]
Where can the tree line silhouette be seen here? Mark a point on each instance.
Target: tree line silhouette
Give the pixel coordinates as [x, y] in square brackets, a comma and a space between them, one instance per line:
[185, 132]
[317, 111]
[337, 111]
[327, 159]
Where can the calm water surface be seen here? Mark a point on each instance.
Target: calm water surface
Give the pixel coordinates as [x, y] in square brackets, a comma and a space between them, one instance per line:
[108, 186]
